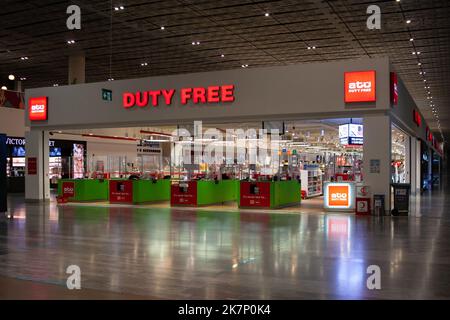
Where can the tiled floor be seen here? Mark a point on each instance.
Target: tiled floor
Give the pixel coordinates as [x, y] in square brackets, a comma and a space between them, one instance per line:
[158, 252]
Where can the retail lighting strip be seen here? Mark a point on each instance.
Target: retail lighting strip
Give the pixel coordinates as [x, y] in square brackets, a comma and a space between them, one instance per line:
[422, 72]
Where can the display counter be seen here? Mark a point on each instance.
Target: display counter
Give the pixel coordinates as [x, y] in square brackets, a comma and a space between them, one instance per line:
[203, 192]
[83, 189]
[138, 191]
[339, 196]
[269, 194]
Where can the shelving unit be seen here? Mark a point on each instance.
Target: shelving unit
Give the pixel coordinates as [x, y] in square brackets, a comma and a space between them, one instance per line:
[311, 180]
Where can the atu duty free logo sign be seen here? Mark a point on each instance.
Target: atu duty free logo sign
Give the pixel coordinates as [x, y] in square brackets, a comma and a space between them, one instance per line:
[360, 86]
[37, 109]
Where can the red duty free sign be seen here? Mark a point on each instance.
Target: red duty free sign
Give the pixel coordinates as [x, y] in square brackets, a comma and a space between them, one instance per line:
[196, 95]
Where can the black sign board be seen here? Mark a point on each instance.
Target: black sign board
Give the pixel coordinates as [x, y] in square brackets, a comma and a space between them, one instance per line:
[3, 206]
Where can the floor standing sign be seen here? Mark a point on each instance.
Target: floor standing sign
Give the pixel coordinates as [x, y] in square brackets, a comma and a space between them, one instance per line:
[3, 206]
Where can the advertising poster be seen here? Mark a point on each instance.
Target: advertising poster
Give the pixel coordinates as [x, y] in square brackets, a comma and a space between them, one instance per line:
[78, 161]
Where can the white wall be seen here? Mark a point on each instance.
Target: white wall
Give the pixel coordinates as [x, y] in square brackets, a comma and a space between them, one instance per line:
[294, 91]
[377, 146]
[12, 122]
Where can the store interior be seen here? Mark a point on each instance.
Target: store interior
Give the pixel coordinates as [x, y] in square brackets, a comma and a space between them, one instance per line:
[147, 165]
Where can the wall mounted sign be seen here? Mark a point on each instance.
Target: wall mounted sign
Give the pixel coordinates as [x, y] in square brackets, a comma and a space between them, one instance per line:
[417, 118]
[375, 165]
[32, 166]
[198, 95]
[360, 86]
[394, 89]
[106, 95]
[37, 109]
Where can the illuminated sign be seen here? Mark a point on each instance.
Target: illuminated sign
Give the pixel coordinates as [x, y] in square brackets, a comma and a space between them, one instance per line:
[37, 109]
[394, 89]
[198, 95]
[340, 195]
[417, 118]
[360, 86]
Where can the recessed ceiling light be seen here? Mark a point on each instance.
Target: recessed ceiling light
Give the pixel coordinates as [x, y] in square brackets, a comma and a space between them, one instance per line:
[309, 48]
[4, 88]
[198, 42]
[266, 14]
[419, 64]
[162, 28]
[144, 64]
[408, 21]
[412, 39]
[121, 7]
[110, 79]
[222, 55]
[397, 0]
[55, 85]
[11, 77]
[70, 41]
[24, 58]
[23, 78]
[314, 48]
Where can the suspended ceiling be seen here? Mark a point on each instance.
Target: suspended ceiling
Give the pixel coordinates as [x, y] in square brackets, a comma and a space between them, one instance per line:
[239, 30]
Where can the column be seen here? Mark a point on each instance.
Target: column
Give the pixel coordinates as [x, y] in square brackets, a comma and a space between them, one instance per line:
[18, 86]
[377, 148]
[37, 185]
[413, 168]
[77, 67]
[408, 159]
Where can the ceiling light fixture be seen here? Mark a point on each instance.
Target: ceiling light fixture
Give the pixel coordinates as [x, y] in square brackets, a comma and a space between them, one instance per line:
[11, 77]
[24, 58]
[110, 79]
[55, 85]
[222, 55]
[266, 14]
[144, 64]
[408, 21]
[23, 78]
[4, 88]
[70, 41]
[412, 39]
[162, 28]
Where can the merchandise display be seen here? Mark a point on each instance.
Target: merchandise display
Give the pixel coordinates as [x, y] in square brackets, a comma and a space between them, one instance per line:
[83, 190]
[138, 191]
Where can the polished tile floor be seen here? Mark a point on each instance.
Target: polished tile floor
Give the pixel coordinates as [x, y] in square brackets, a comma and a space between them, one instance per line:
[163, 253]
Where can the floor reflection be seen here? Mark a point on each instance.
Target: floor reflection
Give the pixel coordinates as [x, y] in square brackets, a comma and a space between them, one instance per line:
[187, 254]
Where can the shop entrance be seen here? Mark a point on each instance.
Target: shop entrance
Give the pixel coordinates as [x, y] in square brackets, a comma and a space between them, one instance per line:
[252, 167]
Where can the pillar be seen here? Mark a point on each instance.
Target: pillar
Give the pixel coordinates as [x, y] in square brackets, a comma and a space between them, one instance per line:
[37, 184]
[415, 166]
[408, 159]
[18, 86]
[77, 67]
[377, 148]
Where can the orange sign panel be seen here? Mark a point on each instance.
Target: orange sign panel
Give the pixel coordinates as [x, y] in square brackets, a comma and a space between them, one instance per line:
[360, 86]
[339, 196]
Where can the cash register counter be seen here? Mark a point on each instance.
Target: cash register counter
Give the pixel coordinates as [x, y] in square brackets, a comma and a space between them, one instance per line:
[203, 192]
[138, 191]
[269, 194]
[82, 190]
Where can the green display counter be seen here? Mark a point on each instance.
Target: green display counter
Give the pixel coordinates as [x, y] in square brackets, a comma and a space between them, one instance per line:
[269, 194]
[203, 192]
[139, 191]
[81, 190]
